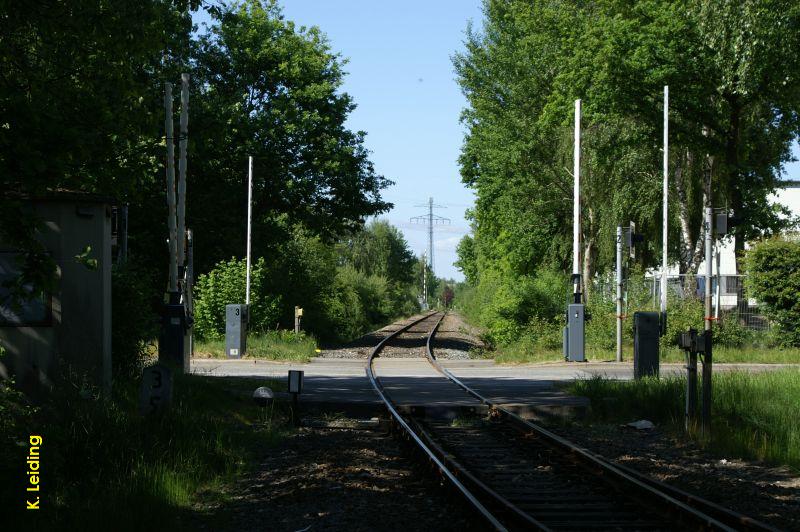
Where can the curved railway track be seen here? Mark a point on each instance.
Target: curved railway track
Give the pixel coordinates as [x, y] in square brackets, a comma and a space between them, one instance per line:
[518, 475]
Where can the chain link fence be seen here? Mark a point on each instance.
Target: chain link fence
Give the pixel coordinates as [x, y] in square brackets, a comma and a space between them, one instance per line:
[729, 298]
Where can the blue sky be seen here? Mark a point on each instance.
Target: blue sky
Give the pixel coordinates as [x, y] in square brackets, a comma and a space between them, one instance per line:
[401, 77]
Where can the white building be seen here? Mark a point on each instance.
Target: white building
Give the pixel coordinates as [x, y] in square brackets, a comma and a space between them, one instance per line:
[787, 195]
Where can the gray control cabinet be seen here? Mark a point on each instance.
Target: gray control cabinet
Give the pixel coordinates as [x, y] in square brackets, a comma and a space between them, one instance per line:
[576, 339]
[235, 330]
[646, 333]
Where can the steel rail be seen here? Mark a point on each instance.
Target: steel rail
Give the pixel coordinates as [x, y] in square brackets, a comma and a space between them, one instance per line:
[491, 519]
[654, 490]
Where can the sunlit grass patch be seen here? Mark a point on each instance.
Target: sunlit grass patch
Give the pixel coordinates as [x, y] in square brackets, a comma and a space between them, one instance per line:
[272, 345]
[522, 352]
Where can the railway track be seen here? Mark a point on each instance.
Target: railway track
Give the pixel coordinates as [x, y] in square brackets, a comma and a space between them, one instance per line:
[518, 475]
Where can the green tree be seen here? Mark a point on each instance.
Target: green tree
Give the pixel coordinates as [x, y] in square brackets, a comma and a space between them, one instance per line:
[733, 115]
[380, 249]
[773, 268]
[268, 89]
[80, 104]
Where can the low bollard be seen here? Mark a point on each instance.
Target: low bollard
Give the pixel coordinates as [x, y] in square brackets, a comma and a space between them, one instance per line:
[295, 389]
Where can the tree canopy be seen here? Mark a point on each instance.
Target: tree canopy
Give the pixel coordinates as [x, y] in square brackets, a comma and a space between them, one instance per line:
[734, 101]
[81, 101]
[734, 105]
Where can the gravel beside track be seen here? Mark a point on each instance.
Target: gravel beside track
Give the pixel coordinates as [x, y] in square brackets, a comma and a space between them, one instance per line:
[335, 479]
[454, 341]
[769, 494]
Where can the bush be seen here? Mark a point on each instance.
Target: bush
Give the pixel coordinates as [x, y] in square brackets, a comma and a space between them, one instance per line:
[545, 334]
[601, 329]
[682, 314]
[512, 307]
[225, 285]
[773, 268]
[134, 321]
[731, 333]
[344, 311]
[357, 303]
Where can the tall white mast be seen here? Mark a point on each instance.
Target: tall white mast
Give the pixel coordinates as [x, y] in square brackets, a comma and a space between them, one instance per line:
[576, 208]
[665, 228]
[249, 225]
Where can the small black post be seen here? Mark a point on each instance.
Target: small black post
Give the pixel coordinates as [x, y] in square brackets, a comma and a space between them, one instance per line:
[691, 389]
[295, 406]
[295, 389]
[690, 342]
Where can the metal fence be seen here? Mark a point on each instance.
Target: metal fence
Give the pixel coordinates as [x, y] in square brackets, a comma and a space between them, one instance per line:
[730, 301]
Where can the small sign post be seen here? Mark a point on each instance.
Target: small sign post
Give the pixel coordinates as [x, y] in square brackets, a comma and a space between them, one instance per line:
[298, 314]
[156, 392]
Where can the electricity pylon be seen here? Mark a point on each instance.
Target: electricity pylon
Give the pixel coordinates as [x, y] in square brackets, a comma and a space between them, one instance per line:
[430, 219]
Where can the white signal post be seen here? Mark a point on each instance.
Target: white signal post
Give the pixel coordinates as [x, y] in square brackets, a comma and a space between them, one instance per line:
[576, 208]
[666, 204]
[619, 293]
[249, 226]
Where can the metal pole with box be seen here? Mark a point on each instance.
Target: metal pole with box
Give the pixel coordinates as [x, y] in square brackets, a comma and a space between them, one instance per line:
[646, 337]
[574, 334]
[237, 316]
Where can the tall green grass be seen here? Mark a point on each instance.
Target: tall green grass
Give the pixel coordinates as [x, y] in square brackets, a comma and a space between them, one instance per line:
[106, 467]
[272, 345]
[754, 414]
[740, 355]
[526, 350]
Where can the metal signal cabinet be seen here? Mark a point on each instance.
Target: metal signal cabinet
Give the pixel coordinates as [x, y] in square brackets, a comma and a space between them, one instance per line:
[646, 334]
[235, 330]
[576, 339]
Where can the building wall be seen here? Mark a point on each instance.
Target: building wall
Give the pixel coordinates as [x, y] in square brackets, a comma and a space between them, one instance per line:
[79, 334]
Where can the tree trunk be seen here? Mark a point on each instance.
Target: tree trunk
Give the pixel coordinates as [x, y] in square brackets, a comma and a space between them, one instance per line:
[589, 251]
[691, 243]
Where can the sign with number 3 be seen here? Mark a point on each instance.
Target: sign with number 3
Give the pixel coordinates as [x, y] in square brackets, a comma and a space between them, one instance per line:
[156, 392]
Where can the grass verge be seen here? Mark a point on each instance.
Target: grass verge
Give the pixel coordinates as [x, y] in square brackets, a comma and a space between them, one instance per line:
[524, 352]
[754, 414]
[103, 465]
[272, 345]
